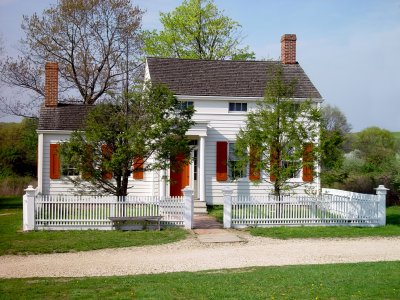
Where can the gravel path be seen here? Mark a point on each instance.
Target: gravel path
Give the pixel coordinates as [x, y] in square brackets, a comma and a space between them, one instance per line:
[192, 255]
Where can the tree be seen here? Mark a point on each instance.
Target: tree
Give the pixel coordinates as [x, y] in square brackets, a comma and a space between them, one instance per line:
[18, 149]
[281, 135]
[96, 44]
[197, 30]
[334, 129]
[145, 132]
[373, 161]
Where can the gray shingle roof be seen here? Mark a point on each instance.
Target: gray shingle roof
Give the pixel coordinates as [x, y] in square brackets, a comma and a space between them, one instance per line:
[224, 77]
[63, 117]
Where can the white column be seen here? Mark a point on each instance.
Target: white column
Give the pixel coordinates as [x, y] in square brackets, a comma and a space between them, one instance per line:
[188, 207]
[28, 209]
[163, 184]
[381, 192]
[202, 176]
[227, 193]
[40, 163]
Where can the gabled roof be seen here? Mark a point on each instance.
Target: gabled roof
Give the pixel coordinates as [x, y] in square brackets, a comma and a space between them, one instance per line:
[225, 77]
[63, 116]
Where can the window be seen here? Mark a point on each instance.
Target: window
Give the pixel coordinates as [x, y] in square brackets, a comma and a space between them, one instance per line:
[68, 170]
[234, 170]
[185, 104]
[292, 166]
[237, 106]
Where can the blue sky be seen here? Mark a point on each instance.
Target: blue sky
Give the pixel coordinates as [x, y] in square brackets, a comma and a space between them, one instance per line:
[349, 48]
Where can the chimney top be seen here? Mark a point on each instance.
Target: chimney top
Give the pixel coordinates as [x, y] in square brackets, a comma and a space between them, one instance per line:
[288, 48]
[51, 84]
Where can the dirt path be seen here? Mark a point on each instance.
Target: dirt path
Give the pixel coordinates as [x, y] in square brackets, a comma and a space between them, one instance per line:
[192, 255]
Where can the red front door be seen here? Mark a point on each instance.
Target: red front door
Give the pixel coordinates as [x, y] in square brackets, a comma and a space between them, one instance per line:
[179, 178]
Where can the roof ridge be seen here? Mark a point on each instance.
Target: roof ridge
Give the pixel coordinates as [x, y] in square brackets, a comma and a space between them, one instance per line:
[210, 60]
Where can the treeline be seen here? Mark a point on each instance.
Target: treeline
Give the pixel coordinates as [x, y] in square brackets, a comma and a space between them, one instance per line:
[363, 161]
[18, 156]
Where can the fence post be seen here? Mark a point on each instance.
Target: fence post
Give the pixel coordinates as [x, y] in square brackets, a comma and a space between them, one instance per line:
[227, 193]
[188, 207]
[28, 209]
[381, 192]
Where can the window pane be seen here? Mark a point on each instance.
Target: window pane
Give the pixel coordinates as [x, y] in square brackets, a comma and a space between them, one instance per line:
[237, 106]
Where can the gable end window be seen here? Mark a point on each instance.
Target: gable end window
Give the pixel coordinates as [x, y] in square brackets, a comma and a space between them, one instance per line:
[237, 106]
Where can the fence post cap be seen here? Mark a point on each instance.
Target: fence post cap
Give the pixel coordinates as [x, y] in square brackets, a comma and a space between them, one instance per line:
[187, 190]
[381, 187]
[227, 190]
[29, 188]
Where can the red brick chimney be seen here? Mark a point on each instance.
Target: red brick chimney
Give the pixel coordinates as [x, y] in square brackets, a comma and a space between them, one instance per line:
[288, 49]
[51, 84]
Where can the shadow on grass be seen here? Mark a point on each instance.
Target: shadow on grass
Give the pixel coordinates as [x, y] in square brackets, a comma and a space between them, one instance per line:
[10, 202]
[393, 220]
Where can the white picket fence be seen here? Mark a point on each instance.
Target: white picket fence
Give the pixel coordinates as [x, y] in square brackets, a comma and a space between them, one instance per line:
[66, 212]
[332, 207]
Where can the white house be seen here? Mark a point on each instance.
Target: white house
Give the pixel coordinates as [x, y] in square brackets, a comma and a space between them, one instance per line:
[221, 92]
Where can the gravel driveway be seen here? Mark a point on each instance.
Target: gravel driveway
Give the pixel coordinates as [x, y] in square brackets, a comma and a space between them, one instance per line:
[193, 255]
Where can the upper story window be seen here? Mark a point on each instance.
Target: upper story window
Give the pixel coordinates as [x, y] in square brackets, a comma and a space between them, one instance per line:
[237, 106]
[185, 104]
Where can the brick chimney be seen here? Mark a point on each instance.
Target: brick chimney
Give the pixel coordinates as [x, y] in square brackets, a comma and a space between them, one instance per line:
[51, 84]
[288, 48]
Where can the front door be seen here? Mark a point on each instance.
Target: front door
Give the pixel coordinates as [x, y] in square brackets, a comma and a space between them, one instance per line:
[179, 177]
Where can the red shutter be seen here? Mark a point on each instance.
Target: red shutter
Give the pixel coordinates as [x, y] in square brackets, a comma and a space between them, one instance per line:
[222, 157]
[254, 159]
[307, 163]
[273, 163]
[138, 168]
[87, 173]
[106, 151]
[54, 162]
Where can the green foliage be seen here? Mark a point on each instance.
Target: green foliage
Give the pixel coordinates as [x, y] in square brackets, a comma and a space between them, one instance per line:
[374, 160]
[18, 148]
[143, 125]
[198, 30]
[377, 280]
[14, 241]
[279, 128]
[334, 128]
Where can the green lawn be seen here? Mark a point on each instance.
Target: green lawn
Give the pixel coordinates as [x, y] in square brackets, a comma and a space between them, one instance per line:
[217, 211]
[14, 241]
[379, 280]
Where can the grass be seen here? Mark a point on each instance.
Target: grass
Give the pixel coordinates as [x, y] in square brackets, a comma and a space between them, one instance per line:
[217, 211]
[391, 229]
[379, 280]
[14, 241]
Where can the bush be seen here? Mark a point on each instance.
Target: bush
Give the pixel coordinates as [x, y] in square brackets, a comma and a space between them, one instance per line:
[14, 186]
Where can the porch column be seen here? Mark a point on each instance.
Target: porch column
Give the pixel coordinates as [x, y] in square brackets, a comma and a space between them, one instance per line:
[202, 177]
[163, 184]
